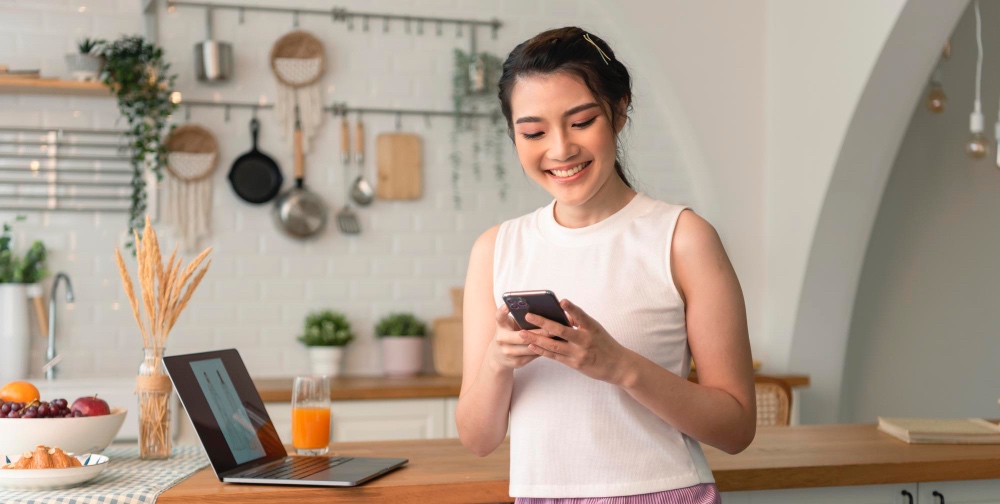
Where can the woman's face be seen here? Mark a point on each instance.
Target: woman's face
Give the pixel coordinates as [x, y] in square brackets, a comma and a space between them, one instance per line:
[563, 136]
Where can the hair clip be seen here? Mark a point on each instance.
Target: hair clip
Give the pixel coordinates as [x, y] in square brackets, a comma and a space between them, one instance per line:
[607, 60]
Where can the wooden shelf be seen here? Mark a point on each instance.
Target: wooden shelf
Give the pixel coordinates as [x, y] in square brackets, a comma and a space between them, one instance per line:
[53, 87]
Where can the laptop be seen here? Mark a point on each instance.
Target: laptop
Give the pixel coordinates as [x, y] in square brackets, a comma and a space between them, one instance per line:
[238, 436]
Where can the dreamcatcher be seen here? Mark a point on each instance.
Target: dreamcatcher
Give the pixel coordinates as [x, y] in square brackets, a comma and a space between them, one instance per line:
[192, 153]
[298, 61]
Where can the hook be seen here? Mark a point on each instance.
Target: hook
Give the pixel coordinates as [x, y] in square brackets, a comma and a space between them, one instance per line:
[338, 14]
[420, 27]
[427, 121]
[385, 25]
[399, 120]
[438, 29]
[295, 19]
[187, 113]
[227, 113]
[496, 26]
[242, 12]
[254, 113]
[365, 23]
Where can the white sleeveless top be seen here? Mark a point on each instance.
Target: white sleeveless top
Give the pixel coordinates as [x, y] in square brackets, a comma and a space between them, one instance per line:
[570, 435]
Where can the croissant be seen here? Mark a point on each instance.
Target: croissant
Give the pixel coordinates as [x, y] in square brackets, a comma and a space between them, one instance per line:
[44, 458]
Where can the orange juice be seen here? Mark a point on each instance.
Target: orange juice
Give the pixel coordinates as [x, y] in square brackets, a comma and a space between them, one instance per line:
[311, 427]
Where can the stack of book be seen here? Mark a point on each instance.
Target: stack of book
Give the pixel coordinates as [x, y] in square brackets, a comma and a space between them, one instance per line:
[941, 431]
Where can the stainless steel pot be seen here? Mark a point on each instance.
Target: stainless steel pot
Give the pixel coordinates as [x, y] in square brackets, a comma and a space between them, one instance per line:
[213, 60]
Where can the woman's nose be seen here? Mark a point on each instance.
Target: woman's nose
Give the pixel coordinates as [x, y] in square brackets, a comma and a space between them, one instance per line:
[562, 149]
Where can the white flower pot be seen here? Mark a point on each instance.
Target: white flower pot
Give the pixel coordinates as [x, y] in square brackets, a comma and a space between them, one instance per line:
[84, 67]
[402, 355]
[15, 333]
[325, 360]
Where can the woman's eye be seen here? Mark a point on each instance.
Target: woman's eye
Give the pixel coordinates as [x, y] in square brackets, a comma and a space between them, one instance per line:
[531, 136]
[584, 124]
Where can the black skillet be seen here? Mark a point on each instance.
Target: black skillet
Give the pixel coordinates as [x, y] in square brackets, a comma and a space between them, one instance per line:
[254, 176]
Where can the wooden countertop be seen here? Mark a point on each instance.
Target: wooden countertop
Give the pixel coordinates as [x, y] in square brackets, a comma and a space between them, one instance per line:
[423, 386]
[443, 471]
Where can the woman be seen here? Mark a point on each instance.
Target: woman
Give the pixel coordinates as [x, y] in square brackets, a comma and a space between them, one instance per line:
[647, 286]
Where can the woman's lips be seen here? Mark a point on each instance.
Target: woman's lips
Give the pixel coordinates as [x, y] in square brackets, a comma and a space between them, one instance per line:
[571, 178]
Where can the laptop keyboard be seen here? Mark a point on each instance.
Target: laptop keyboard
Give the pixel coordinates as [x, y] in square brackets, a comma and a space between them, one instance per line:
[297, 468]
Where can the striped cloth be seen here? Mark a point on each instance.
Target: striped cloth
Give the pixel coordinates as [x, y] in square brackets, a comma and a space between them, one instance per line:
[127, 480]
[705, 493]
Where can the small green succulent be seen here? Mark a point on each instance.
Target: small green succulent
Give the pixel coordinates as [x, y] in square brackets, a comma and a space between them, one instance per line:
[326, 328]
[400, 324]
[87, 44]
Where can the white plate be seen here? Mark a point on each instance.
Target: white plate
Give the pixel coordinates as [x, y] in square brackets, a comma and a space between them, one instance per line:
[48, 479]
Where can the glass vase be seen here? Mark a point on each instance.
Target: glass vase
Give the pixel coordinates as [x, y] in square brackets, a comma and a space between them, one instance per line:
[153, 388]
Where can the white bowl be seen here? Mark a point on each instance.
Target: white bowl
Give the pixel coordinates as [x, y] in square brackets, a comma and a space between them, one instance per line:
[47, 479]
[74, 435]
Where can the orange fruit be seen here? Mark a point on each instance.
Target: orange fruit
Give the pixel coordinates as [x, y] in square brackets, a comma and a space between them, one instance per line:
[19, 391]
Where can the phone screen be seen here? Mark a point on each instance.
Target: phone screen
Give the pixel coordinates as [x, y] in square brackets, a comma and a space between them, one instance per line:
[543, 303]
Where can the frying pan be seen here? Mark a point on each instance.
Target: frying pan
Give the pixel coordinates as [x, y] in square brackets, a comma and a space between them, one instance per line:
[255, 177]
[297, 211]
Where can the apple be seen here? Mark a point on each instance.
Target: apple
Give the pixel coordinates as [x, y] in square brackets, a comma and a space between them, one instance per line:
[90, 406]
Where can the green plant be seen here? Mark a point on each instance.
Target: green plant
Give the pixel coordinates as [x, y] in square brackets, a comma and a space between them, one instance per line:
[87, 44]
[326, 328]
[139, 76]
[400, 324]
[27, 269]
[465, 101]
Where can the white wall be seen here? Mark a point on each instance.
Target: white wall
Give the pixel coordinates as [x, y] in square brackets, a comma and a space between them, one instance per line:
[262, 284]
[923, 336]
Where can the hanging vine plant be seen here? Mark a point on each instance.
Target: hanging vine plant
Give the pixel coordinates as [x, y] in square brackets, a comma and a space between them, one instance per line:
[473, 91]
[139, 77]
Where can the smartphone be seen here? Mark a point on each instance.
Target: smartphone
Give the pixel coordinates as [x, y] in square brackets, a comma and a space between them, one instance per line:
[540, 302]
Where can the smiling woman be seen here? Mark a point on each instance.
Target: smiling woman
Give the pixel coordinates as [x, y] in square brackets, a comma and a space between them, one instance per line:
[605, 411]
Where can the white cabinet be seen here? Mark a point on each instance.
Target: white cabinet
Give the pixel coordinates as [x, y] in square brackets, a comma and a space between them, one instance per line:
[944, 492]
[372, 420]
[868, 494]
[959, 492]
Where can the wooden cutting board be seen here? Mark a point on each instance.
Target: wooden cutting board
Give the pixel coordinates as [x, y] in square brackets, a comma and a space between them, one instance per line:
[447, 346]
[399, 158]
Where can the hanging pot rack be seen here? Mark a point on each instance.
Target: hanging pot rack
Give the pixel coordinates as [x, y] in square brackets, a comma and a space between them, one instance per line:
[343, 15]
[337, 109]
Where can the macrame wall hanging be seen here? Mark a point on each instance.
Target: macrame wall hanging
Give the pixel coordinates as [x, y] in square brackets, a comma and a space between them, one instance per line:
[298, 61]
[192, 153]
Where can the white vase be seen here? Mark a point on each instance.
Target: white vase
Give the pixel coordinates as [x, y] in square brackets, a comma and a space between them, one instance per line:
[325, 360]
[402, 355]
[84, 67]
[15, 333]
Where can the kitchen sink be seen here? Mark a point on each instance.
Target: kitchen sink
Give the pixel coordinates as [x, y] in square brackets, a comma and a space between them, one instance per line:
[116, 391]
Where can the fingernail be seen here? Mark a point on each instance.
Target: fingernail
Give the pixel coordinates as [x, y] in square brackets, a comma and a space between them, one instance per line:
[530, 317]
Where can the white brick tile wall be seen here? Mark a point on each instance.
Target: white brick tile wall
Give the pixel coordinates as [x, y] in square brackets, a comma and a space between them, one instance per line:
[262, 283]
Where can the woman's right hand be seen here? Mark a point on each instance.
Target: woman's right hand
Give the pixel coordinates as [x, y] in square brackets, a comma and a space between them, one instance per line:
[508, 350]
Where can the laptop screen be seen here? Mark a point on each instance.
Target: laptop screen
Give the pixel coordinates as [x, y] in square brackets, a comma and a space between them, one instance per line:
[225, 408]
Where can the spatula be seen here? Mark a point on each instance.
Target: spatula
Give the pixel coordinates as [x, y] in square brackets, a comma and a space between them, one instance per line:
[347, 221]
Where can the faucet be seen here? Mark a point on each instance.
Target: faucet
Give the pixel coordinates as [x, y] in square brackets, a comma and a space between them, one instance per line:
[50, 354]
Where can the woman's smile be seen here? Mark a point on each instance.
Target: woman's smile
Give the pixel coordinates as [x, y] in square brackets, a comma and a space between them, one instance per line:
[565, 175]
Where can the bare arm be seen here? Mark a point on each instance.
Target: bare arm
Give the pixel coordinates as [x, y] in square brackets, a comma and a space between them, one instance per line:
[720, 409]
[491, 351]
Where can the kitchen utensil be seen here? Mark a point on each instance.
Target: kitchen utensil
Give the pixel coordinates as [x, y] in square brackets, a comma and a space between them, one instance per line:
[299, 212]
[347, 221]
[213, 60]
[361, 190]
[192, 153]
[50, 479]
[446, 344]
[398, 166]
[255, 177]
[298, 60]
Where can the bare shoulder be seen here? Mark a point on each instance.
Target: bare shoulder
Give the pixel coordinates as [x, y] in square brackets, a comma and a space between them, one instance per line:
[696, 252]
[486, 241]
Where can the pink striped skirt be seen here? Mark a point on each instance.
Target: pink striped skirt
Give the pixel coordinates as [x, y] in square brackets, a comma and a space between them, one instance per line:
[705, 493]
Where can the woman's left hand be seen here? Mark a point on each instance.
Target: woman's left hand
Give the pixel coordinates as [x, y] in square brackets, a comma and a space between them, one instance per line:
[588, 348]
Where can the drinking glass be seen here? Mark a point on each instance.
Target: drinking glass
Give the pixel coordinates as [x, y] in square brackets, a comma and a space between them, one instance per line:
[311, 415]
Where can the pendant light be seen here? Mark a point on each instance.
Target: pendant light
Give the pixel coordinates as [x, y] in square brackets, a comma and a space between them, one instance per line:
[978, 145]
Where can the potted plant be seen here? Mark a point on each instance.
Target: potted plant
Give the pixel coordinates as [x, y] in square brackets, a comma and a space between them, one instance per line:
[17, 278]
[326, 334]
[87, 64]
[402, 337]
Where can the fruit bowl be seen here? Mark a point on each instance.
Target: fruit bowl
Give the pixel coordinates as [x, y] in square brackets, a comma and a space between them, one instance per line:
[75, 435]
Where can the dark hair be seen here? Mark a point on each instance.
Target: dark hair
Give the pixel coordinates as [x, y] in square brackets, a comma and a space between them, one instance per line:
[569, 50]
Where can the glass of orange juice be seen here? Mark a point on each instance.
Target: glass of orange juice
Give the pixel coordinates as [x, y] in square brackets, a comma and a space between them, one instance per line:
[311, 415]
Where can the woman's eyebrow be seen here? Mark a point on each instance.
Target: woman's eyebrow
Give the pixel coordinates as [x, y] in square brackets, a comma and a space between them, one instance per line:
[578, 108]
